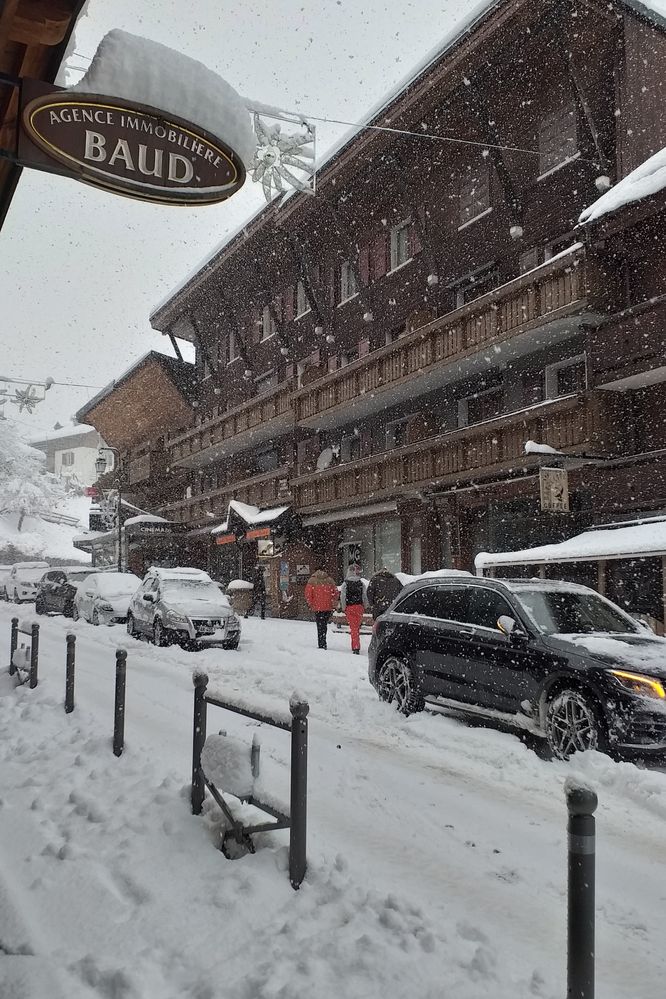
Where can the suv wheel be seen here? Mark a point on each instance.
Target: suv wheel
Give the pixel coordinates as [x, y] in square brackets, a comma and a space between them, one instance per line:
[131, 628]
[95, 618]
[39, 607]
[397, 684]
[573, 724]
[159, 634]
[16, 597]
[75, 613]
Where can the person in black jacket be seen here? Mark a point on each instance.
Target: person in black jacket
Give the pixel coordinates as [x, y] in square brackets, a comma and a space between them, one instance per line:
[383, 588]
[259, 591]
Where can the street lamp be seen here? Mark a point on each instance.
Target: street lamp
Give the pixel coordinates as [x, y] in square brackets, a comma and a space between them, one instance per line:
[100, 468]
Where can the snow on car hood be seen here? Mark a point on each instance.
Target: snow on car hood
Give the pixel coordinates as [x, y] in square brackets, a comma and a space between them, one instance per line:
[198, 608]
[646, 653]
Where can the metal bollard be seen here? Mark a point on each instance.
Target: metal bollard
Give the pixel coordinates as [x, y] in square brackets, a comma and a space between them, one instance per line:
[34, 655]
[299, 791]
[69, 673]
[119, 706]
[581, 803]
[13, 646]
[200, 681]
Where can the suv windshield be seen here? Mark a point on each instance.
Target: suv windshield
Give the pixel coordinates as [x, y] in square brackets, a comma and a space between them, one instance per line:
[195, 589]
[572, 612]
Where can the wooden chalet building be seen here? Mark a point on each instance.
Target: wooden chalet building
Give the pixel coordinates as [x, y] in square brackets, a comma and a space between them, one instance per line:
[377, 356]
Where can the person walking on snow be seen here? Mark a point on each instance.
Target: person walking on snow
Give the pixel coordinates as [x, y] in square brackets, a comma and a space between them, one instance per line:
[353, 602]
[321, 595]
[383, 588]
[259, 591]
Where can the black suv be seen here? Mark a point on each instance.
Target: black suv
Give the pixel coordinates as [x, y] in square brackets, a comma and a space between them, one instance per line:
[554, 658]
[57, 588]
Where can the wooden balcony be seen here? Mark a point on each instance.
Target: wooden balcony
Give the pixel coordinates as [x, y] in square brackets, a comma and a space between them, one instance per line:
[532, 310]
[493, 448]
[264, 418]
[628, 350]
[265, 490]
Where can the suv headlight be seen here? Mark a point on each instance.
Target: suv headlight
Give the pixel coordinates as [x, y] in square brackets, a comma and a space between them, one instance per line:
[637, 683]
[104, 607]
[176, 620]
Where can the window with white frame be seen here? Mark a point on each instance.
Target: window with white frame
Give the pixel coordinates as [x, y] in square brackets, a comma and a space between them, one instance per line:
[233, 347]
[67, 459]
[302, 304]
[481, 406]
[558, 139]
[566, 377]
[474, 192]
[400, 249]
[348, 286]
[267, 323]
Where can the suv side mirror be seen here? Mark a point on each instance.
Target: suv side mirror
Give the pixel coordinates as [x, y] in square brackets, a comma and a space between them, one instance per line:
[149, 598]
[509, 627]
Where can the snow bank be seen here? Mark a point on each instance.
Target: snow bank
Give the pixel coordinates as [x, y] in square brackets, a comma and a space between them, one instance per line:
[647, 179]
[647, 539]
[147, 72]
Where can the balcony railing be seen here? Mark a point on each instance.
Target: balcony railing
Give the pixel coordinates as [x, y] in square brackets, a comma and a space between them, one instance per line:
[493, 447]
[249, 423]
[552, 291]
[265, 490]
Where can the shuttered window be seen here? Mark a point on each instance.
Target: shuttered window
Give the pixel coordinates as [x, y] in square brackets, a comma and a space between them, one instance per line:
[558, 139]
[474, 192]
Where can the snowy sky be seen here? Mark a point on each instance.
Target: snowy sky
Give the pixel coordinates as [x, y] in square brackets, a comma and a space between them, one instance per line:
[81, 269]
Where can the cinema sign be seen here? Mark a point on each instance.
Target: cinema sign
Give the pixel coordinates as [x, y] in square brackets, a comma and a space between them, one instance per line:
[126, 147]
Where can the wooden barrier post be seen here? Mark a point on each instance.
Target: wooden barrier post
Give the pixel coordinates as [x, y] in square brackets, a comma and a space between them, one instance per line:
[119, 706]
[69, 673]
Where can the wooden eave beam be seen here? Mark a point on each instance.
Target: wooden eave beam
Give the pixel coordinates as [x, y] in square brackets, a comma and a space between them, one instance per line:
[40, 22]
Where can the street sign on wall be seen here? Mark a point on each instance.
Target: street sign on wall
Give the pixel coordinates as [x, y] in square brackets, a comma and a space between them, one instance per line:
[554, 485]
[125, 147]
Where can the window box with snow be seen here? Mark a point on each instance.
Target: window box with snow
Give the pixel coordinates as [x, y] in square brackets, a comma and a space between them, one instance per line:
[567, 377]
[348, 285]
[558, 140]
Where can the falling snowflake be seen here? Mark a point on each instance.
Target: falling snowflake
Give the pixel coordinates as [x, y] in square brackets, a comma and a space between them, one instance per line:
[277, 153]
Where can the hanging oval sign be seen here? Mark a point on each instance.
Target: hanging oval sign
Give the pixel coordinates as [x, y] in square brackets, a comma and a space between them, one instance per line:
[133, 149]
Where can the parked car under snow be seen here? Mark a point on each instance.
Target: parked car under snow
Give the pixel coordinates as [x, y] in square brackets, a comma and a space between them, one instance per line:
[184, 606]
[104, 597]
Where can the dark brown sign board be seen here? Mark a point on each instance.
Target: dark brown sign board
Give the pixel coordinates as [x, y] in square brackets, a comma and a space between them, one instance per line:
[124, 147]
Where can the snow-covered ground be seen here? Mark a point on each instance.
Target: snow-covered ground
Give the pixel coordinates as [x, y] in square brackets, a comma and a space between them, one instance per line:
[39, 538]
[437, 852]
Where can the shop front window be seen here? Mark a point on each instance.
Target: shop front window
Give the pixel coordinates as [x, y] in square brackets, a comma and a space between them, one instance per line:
[377, 545]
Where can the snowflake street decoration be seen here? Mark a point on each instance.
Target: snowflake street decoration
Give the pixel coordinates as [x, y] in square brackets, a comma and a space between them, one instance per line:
[26, 399]
[278, 155]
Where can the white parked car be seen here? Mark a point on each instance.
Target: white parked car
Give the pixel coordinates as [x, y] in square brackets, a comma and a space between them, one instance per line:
[104, 597]
[185, 606]
[21, 585]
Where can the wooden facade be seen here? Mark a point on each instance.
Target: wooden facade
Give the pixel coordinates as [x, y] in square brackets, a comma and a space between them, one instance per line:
[378, 355]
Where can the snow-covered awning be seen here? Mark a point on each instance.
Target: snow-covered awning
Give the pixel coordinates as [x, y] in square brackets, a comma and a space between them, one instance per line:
[647, 179]
[646, 539]
[245, 516]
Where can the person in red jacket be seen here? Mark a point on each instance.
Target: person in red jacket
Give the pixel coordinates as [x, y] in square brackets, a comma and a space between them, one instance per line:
[321, 594]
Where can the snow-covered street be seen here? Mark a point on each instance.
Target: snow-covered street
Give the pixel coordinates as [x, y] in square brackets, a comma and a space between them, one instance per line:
[437, 852]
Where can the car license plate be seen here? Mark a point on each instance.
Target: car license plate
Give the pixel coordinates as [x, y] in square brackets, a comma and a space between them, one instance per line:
[206, 629]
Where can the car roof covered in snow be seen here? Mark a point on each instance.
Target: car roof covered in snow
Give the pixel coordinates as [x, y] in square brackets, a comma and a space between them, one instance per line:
[178, 573]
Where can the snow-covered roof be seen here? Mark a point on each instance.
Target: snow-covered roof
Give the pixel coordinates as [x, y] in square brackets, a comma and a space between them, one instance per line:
[145, 518]
[53, 435]
[647, 179]
[253, 516]
[139, 69]
[636, 540]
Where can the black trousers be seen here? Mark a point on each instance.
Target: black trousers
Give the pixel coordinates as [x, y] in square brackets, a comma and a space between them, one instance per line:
[322, 618]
